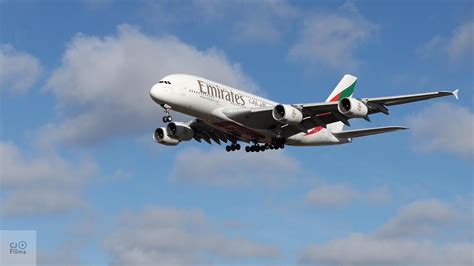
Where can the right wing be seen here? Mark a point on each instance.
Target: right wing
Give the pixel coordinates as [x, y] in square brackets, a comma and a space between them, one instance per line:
[322, 113]
[366, 131]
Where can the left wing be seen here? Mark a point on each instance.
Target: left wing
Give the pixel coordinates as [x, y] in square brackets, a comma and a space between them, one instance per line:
[322, 113]
[206, 132]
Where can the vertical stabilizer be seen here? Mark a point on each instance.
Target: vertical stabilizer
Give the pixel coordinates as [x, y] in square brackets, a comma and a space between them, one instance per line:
[345, 88]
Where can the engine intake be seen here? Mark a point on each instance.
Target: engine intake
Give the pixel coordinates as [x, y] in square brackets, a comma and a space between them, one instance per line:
[287, 114]
[161, 136]
[351, 107]
[180, 131]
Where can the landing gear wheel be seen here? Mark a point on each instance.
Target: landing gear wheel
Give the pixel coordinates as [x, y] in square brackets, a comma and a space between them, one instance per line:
[237, 146]
[247, 149]
[167, 117]
[227, 148]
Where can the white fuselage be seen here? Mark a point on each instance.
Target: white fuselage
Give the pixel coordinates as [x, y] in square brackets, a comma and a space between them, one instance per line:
[205, 99]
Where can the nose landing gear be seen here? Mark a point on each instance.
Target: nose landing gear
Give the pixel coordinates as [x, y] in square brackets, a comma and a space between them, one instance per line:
[167, 117]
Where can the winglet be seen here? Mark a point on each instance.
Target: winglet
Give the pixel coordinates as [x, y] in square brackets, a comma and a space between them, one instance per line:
[455, 93]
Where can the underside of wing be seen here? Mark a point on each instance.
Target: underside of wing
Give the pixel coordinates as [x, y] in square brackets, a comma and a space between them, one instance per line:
[210, 133]
[260, 118]
[366, 132]
[203, 131]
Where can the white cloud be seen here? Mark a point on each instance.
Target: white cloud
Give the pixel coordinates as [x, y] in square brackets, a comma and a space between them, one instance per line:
[400, 241]
[444, 127]
[39, 200]
[264, 22]
[461, 43]
[178, 237]
[358, 249]
[59, 256]
[379, 195]
[419, 218]
[248, 21]
[339, 195]
[40, 184]
[103, 84]
[332, 39]
[19, 71]
[331, 196]
[234, 169]
[458, 47]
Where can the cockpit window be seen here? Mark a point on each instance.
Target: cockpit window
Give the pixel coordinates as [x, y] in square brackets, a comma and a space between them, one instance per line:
[164, 81]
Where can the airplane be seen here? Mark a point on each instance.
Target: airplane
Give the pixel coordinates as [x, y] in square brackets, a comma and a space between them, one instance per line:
[226, 114]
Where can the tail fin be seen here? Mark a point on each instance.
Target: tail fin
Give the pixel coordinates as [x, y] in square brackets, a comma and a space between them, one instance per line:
[345, 88]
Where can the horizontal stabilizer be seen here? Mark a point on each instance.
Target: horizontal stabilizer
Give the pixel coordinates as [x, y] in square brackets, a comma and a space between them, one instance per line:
[366, 132]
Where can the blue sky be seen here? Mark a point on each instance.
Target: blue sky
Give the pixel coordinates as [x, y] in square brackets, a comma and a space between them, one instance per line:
[79, 166]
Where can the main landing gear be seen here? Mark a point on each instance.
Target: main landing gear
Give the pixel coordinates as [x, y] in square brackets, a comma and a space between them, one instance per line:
[167, 117]
[277, 142]
[232, 147]
[261, 148]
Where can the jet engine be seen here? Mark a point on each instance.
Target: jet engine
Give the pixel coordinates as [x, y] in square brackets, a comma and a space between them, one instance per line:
[161, 136]
[180, 131]
[352, 107]
[287, 114]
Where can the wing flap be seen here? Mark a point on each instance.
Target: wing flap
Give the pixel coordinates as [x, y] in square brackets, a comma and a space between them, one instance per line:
[366, 131]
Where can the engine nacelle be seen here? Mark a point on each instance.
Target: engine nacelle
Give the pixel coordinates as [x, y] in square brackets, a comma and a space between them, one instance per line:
[351, 107]
[161, 136]
[180, 131]
[287, 114]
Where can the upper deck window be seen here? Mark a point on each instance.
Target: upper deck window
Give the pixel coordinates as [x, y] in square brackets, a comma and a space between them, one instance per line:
[164, 81]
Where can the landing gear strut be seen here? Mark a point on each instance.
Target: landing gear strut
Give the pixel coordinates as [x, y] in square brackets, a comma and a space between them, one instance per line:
[167, 117]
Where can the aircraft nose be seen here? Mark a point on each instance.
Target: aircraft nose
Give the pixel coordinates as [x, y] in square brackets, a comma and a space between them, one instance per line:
[155, 92]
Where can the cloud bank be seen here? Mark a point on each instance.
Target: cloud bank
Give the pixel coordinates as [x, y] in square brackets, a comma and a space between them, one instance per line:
[102, 86]
[173, 236]
[19, 71]
[332, 38]
[397, 242]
